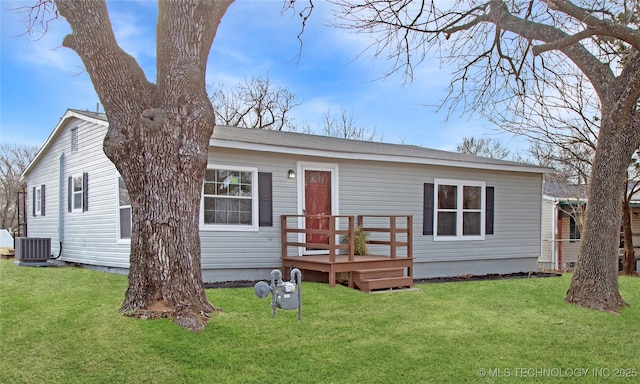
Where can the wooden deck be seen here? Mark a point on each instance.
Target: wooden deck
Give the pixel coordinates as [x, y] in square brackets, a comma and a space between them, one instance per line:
[388, 266]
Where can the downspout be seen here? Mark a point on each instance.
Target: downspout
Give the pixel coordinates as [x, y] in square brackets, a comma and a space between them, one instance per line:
[61, 199]
[554, 234]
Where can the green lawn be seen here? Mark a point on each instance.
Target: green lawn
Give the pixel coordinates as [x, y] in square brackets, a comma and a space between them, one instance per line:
[61, 325]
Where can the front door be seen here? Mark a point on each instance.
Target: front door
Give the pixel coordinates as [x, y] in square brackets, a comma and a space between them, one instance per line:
[317, 193]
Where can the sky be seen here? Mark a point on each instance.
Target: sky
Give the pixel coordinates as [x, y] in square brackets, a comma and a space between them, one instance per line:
[40, 79]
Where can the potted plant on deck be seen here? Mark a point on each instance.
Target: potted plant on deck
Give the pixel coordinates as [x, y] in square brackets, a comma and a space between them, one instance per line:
[360, 240]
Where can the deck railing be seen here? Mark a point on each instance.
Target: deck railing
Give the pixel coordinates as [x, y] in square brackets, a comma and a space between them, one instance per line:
[399, 230]
[342, 227]
[334, 234]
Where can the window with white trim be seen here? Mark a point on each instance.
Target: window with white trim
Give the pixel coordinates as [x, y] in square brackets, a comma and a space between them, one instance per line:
[460, 209]
[124, 211]
[230, 198]
[77, 193]
[38, 201]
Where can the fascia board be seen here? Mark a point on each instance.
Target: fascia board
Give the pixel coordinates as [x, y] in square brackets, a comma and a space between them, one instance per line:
[372, 157]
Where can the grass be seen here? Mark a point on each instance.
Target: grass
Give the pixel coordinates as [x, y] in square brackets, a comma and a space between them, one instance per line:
[61, 325]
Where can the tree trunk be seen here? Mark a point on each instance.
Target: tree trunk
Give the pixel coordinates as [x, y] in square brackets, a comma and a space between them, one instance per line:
[158, 139]
[595, 279]
[164, 179]
[628, 258]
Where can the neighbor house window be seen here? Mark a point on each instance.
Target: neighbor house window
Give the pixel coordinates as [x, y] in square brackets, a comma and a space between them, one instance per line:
[460, 209]
[230, 200]
[74, 140]
[574, 230]
[124, 211]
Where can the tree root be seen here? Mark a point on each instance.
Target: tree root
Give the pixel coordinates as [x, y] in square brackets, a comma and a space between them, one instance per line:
[614, 305]
[194, 321]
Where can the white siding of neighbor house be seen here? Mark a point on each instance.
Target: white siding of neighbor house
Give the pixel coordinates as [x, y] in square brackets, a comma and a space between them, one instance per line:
[635, 228]
[89, 237]
[548, 237]
[569, 247]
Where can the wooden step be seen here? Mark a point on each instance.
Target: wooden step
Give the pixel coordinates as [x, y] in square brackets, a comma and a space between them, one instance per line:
[384, 278]
[366, 274]
[385, 283]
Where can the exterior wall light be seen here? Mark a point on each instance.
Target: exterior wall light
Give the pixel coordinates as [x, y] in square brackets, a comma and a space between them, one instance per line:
[292, 174]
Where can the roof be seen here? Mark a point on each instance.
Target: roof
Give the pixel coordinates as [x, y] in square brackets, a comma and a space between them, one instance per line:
[572, 194]
[95, 117]
[306, 144]
[323, 146]
[565, 192]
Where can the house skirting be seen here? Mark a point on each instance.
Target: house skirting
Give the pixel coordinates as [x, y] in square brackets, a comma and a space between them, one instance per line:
[427, 270]
[421, 270]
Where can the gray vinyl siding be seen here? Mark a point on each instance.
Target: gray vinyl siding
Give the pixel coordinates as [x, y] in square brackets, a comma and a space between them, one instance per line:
[89, 237]
[45, 226]
[375, 188]
[231, 250]
[368, 187]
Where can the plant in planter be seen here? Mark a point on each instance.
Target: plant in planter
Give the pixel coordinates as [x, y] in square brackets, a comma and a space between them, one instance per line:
[360, 239]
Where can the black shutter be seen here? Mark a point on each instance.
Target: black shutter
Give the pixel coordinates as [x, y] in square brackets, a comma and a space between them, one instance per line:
[85, 192]
[265, 197]
[70, 194]
[427, 213]
[42, 200]
[33, 198]
[489, 211]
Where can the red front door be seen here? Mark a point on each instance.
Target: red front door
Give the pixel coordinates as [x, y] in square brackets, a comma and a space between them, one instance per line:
[317, 201]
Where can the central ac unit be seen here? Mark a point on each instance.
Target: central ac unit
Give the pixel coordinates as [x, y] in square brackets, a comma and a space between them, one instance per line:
[33, 249]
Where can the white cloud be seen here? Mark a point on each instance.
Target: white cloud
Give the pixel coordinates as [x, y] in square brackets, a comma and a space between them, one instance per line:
[133, 35]
[43, 52]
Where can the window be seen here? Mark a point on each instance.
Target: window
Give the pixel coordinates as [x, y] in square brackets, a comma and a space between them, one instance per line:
[78, 192]
[74, 140]
[574, 230]
[230, 200]
[124, 211]
[38, 200]
[460, 210]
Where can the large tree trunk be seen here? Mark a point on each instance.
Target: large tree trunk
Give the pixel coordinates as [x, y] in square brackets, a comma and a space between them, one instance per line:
[164, 179]
[595, 279]
[158, 139]
[628, 258]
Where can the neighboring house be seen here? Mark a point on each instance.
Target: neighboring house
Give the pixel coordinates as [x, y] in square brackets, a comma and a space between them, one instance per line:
[562, 208]
[6, 240]
[483, 215]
